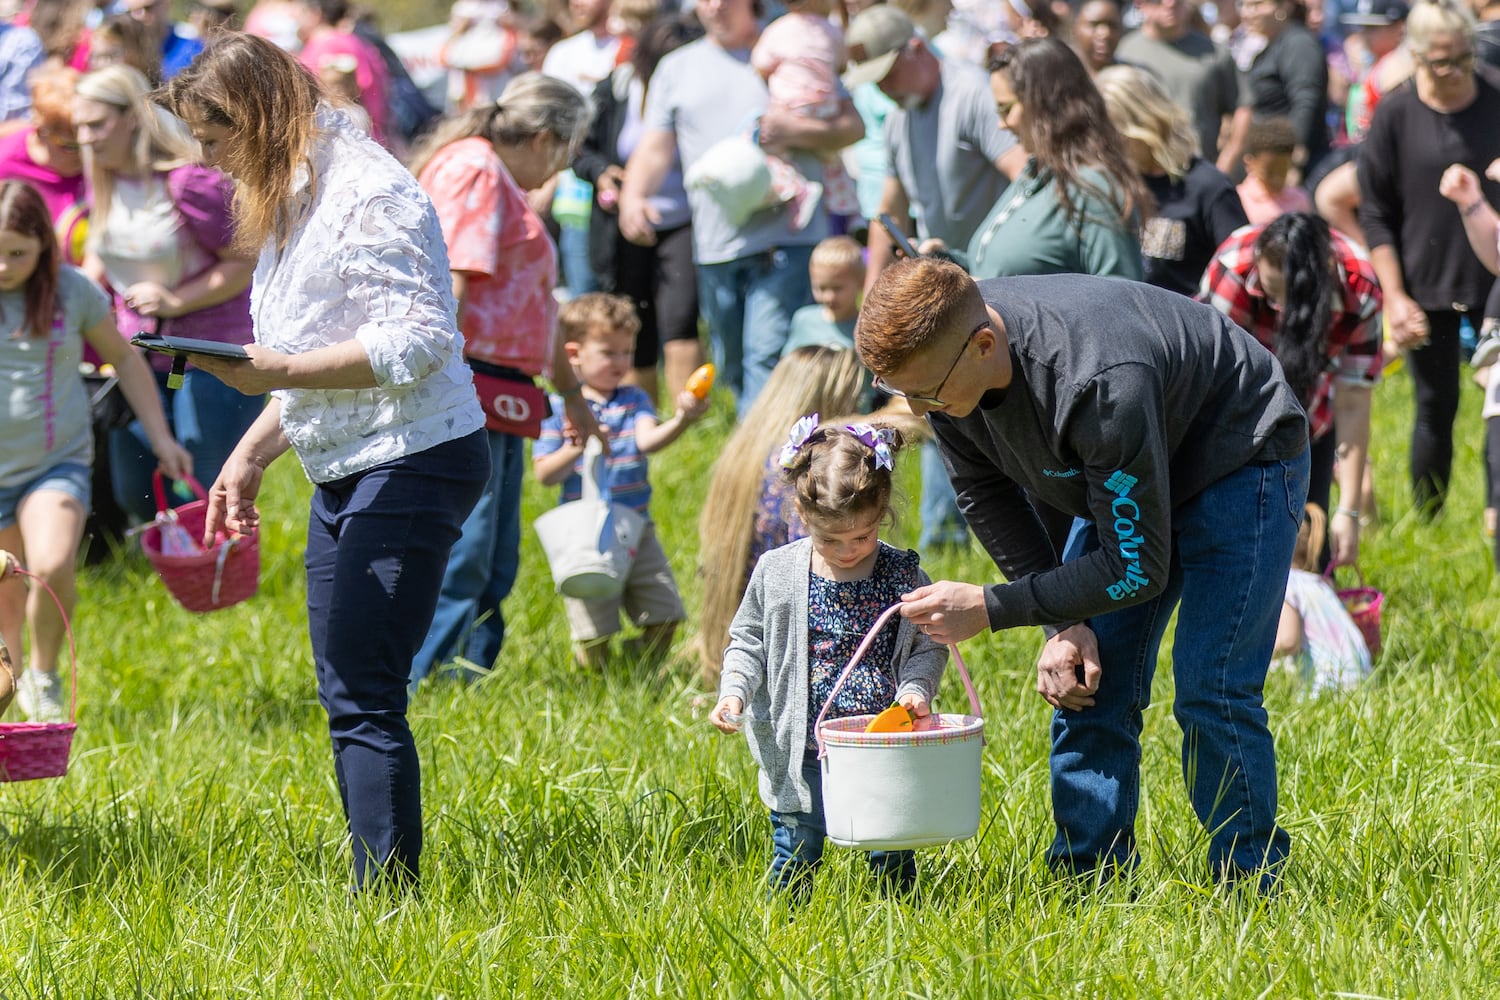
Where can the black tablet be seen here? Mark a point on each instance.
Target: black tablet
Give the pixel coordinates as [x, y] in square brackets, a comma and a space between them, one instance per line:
[188, 345]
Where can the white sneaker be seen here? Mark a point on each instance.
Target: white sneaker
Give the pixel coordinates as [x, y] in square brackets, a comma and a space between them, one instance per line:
[40, 697]
[1487, 349]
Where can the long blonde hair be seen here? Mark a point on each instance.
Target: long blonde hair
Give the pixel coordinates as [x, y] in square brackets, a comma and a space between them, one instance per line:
[825, 380]
[1310, 534]
[162, 141]
[268, 101]
[530, 105]
[1141, 109]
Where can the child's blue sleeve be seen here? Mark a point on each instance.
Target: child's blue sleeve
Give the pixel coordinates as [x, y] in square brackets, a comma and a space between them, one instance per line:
[551, 437]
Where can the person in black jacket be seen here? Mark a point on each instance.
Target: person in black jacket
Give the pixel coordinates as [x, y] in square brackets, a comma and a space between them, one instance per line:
[1431, 278]
[659, 279]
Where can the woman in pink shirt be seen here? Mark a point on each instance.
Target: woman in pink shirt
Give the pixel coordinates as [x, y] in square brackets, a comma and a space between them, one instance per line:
[46, 155]
[477, 167]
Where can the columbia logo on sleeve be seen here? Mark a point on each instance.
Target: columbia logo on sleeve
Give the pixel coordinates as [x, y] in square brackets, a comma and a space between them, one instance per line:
[1127, 514]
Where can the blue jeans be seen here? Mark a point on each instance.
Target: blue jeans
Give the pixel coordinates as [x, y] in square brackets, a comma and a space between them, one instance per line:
[481, 568]
[573, 249]
[207, 417]
[797, 845]
[377, 542]
[1231, 550]
[942, 524]
[748, 305]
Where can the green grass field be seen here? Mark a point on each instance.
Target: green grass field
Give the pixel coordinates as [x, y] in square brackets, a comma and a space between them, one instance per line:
[592, 835]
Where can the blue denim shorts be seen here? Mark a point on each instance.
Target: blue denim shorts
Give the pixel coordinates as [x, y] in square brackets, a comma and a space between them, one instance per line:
[73, 478]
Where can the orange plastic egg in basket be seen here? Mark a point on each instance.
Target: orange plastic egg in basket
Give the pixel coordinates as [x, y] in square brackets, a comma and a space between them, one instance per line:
[30, 750]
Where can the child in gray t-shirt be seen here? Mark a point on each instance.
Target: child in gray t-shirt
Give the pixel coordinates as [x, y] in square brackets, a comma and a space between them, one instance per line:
[47, 311]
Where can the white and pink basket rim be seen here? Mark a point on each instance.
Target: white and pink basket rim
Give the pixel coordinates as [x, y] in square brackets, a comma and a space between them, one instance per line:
[850, 732]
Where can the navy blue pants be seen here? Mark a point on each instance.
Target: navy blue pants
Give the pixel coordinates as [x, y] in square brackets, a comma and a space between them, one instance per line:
[377, 545]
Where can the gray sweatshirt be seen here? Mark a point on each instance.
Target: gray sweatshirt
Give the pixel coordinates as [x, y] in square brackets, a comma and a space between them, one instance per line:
[1125, 402]
[766, 667]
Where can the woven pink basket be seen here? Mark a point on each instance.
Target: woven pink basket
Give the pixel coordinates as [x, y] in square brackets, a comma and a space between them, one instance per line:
[1365, 605]
[30, 750]
[216, 578]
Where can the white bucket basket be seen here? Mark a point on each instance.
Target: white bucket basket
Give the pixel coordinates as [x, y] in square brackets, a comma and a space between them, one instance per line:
[897, 791]
[590, 542]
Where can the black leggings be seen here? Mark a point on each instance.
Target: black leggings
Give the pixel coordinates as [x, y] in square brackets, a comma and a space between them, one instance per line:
[1434, 373]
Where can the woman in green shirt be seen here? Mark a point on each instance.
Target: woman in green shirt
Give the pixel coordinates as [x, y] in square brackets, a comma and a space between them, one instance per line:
[1078, 205]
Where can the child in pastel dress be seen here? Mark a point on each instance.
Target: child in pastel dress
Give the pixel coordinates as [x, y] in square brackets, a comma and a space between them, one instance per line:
[806, 610]
[1317, 639]
[800, 56]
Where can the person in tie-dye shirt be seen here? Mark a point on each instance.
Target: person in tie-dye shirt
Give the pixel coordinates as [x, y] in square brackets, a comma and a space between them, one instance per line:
[477, 167]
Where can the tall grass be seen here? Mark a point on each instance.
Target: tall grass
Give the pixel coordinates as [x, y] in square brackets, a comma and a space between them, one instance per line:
[590, 835]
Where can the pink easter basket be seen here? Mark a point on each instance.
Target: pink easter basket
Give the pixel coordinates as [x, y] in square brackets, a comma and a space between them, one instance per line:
[1365, 605]
[207, 579]
[889, 791]
[31, 750]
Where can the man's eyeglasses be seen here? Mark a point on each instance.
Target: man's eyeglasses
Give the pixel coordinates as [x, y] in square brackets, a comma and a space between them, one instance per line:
[933, 400]
[1462, 61]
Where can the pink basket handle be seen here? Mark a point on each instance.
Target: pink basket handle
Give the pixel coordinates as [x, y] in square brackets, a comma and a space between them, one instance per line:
[159, 487]
[1328, 573]
[859, 654]
[72, 647]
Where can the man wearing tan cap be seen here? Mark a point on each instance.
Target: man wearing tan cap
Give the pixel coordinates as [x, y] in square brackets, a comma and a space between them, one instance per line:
[948, 158]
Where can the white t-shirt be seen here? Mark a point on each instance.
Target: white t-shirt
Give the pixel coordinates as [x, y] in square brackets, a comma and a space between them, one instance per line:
[582, 60]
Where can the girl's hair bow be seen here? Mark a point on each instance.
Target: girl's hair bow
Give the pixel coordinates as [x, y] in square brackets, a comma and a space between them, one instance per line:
[878, 440]
[801, 431]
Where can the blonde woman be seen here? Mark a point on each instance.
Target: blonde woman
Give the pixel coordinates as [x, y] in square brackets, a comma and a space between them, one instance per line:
[748, 508]
[161, 238]
[1197, 206]
[356, 339]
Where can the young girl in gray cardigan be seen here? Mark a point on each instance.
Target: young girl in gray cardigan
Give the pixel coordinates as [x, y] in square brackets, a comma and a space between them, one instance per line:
[808, 606]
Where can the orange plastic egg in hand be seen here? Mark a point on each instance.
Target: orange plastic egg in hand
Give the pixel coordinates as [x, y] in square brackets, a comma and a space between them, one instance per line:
[701, 381]
[895, 719]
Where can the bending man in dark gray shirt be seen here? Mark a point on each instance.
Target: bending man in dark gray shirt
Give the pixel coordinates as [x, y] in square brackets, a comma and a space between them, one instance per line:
[1172, 437]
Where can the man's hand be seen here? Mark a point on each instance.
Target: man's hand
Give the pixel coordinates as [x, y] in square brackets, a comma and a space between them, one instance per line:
[1408, 321]
[1057, 670]
[1460, 185]
[638, 221]
[947, 612]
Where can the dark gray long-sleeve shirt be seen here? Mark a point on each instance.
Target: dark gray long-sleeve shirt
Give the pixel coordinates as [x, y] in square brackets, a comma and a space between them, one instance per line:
[1125, 402]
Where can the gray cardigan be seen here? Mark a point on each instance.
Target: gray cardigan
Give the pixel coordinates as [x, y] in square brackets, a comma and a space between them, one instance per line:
[765, 666]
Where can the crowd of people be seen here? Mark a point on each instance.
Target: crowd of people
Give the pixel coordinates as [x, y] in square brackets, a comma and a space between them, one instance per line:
[1114, 270]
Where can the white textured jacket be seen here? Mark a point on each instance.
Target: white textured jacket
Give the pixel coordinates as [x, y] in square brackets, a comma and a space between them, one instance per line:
[366, 259]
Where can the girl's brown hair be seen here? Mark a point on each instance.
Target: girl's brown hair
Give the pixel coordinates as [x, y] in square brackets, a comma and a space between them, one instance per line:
[1071, 130]
[836, 477]
[268, 101]
[23, 212]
